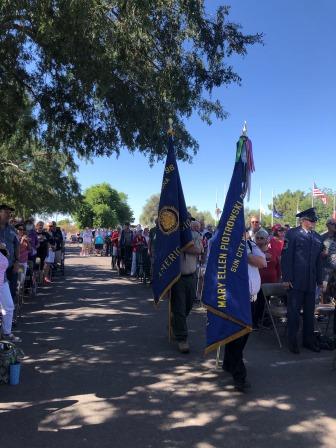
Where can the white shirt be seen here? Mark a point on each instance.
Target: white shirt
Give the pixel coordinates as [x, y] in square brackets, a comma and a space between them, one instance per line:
[253, 271]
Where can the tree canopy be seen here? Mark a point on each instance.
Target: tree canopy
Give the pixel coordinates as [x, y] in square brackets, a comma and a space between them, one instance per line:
[151, 207]
[205, 216]
[289, 202]
[150, 210]
[102, 75]
[102, 206]
[34, 179]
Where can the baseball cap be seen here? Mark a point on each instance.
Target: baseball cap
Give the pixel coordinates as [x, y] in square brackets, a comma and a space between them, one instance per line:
[277, 227]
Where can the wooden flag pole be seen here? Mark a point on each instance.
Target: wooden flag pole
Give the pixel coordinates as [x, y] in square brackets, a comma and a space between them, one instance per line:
[218, 357]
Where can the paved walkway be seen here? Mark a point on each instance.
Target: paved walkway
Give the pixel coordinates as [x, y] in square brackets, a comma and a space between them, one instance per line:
[99, 372]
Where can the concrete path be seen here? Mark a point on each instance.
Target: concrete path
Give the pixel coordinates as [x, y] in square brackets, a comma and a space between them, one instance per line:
[99, 372]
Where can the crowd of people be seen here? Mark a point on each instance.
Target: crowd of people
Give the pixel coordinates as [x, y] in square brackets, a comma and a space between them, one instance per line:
[300, 259]
[131, 248]
[26, 248]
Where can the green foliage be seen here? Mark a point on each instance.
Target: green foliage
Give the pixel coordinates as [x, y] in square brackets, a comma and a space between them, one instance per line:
[150, 210]
[34, 179]
[104, 75]
[200, 216]
[102, 206]
[289, 202]
[151, 207]
[64, 222]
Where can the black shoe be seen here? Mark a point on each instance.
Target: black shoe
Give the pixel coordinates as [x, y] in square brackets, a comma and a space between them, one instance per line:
[294, 348]
[242, 386]
[313, 347]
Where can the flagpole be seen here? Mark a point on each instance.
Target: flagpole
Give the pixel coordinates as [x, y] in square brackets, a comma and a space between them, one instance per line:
[272, 207]
[260, 214]
[313, 195]
[216, 208]
[334, 207]
[297, 211]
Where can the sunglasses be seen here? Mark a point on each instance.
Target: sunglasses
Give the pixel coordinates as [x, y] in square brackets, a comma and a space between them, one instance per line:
[254, 222]
[260, 238]
[20, 229]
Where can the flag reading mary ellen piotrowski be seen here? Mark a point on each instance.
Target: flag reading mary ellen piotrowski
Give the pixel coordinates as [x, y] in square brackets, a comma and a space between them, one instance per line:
[226, 292]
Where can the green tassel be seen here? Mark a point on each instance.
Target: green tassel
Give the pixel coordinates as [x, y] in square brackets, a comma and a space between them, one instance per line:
[240, 144]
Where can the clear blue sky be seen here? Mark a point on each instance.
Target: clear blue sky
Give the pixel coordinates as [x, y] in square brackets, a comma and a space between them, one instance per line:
[288, 97]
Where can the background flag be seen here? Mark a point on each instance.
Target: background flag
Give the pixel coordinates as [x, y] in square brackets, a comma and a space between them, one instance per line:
[226, 292]
[317, 193]
[277, 214]
[173, 230]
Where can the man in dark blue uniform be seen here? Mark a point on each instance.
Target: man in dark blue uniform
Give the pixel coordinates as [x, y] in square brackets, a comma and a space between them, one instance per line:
[301, 273]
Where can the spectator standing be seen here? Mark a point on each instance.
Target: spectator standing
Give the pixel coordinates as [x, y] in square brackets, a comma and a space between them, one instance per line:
[99, 242]
[139, 245]
[6, 301]
[302, 273]
[108, 243]
[58, 239]
[87, 242]
[278, 238]
[151, 245]
[254, 227]
[115, 239]
[8, 236]
[43, 237]
[268, 274]
[25, 249]
[126, 239]
[32, 235]
[50, 259]
[328, 255]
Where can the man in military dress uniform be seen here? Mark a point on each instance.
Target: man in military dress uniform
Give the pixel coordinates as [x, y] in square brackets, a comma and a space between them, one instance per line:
[301, 273]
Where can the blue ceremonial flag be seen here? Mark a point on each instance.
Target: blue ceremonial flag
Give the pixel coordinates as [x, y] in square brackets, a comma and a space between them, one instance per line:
[277, 214]
[173, 229]
[226, 292]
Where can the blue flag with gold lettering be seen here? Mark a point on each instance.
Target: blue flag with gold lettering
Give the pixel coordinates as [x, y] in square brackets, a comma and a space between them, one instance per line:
[173, 229]
[226, 285]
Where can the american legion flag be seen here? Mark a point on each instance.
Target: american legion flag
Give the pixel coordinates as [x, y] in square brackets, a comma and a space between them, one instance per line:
[317, 193]
[226, 292]
[173, 229]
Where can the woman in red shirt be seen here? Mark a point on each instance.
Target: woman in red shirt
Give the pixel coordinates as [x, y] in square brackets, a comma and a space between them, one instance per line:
[139, 243]
[278, 238]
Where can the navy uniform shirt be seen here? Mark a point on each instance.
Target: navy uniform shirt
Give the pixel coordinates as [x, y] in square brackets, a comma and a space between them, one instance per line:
[301, 259]
[9, 236]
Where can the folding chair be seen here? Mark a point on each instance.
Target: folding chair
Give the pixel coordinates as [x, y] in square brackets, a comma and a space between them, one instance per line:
[277, 311]
[325, 310]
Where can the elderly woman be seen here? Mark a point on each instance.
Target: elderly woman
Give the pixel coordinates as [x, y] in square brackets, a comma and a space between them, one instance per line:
[269, 274]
